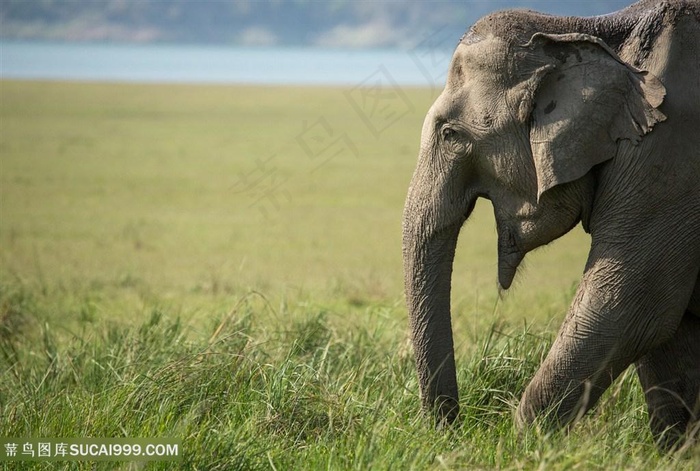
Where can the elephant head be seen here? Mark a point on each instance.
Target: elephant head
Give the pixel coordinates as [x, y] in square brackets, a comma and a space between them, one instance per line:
[524, 121]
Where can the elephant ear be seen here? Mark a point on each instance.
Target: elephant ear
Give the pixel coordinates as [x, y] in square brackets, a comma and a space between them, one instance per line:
[584, 100]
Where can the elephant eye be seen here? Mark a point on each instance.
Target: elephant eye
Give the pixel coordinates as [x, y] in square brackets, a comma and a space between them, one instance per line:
[454, 139]
[448, 133]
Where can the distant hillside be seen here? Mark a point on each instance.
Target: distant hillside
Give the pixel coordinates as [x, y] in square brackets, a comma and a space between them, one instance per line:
[333, 23]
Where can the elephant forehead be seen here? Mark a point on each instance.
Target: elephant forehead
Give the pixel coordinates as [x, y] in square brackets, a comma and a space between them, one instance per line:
[486, 58]
[476, 79]
[465, 105]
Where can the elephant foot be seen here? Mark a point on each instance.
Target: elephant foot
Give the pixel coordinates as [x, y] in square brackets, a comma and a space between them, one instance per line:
[550, 406]
[446, 411]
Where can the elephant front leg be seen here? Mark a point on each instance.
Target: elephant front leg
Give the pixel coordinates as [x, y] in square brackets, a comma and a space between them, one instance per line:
[670, 377]
[610, 325]
[573, 376]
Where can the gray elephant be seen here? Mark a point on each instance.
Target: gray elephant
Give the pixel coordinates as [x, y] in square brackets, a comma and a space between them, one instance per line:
[556, 121]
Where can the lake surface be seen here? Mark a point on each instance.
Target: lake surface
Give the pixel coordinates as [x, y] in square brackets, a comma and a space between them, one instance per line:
[425, 66]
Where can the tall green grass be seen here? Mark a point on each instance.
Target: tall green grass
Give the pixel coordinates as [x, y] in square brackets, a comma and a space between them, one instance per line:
[144, 294]
[245, 394]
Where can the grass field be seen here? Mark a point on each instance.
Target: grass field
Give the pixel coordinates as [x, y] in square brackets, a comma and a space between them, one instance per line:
[223, 265]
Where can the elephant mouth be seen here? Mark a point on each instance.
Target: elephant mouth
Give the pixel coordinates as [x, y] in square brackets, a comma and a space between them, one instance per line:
[472, 204]
[510, 254]
[509, 257]
[507, 268]
[470, 209]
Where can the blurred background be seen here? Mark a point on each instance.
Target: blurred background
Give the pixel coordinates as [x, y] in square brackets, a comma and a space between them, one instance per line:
[334, 23]
[182, 149]
[266, 26]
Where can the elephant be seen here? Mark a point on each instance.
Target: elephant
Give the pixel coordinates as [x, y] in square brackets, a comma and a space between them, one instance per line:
[559, 121]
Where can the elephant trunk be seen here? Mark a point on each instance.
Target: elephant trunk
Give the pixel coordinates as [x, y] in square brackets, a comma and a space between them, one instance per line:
[430, 229]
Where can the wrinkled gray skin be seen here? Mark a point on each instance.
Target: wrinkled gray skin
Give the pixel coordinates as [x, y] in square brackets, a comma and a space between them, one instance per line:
[556, 121]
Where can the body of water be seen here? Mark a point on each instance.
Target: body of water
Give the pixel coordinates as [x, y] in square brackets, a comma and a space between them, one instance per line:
[221, 64]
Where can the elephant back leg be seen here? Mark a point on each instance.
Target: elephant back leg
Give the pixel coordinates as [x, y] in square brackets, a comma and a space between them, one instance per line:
[670, 377]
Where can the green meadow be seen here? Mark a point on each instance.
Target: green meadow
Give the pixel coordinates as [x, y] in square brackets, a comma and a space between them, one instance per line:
[222, 265]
